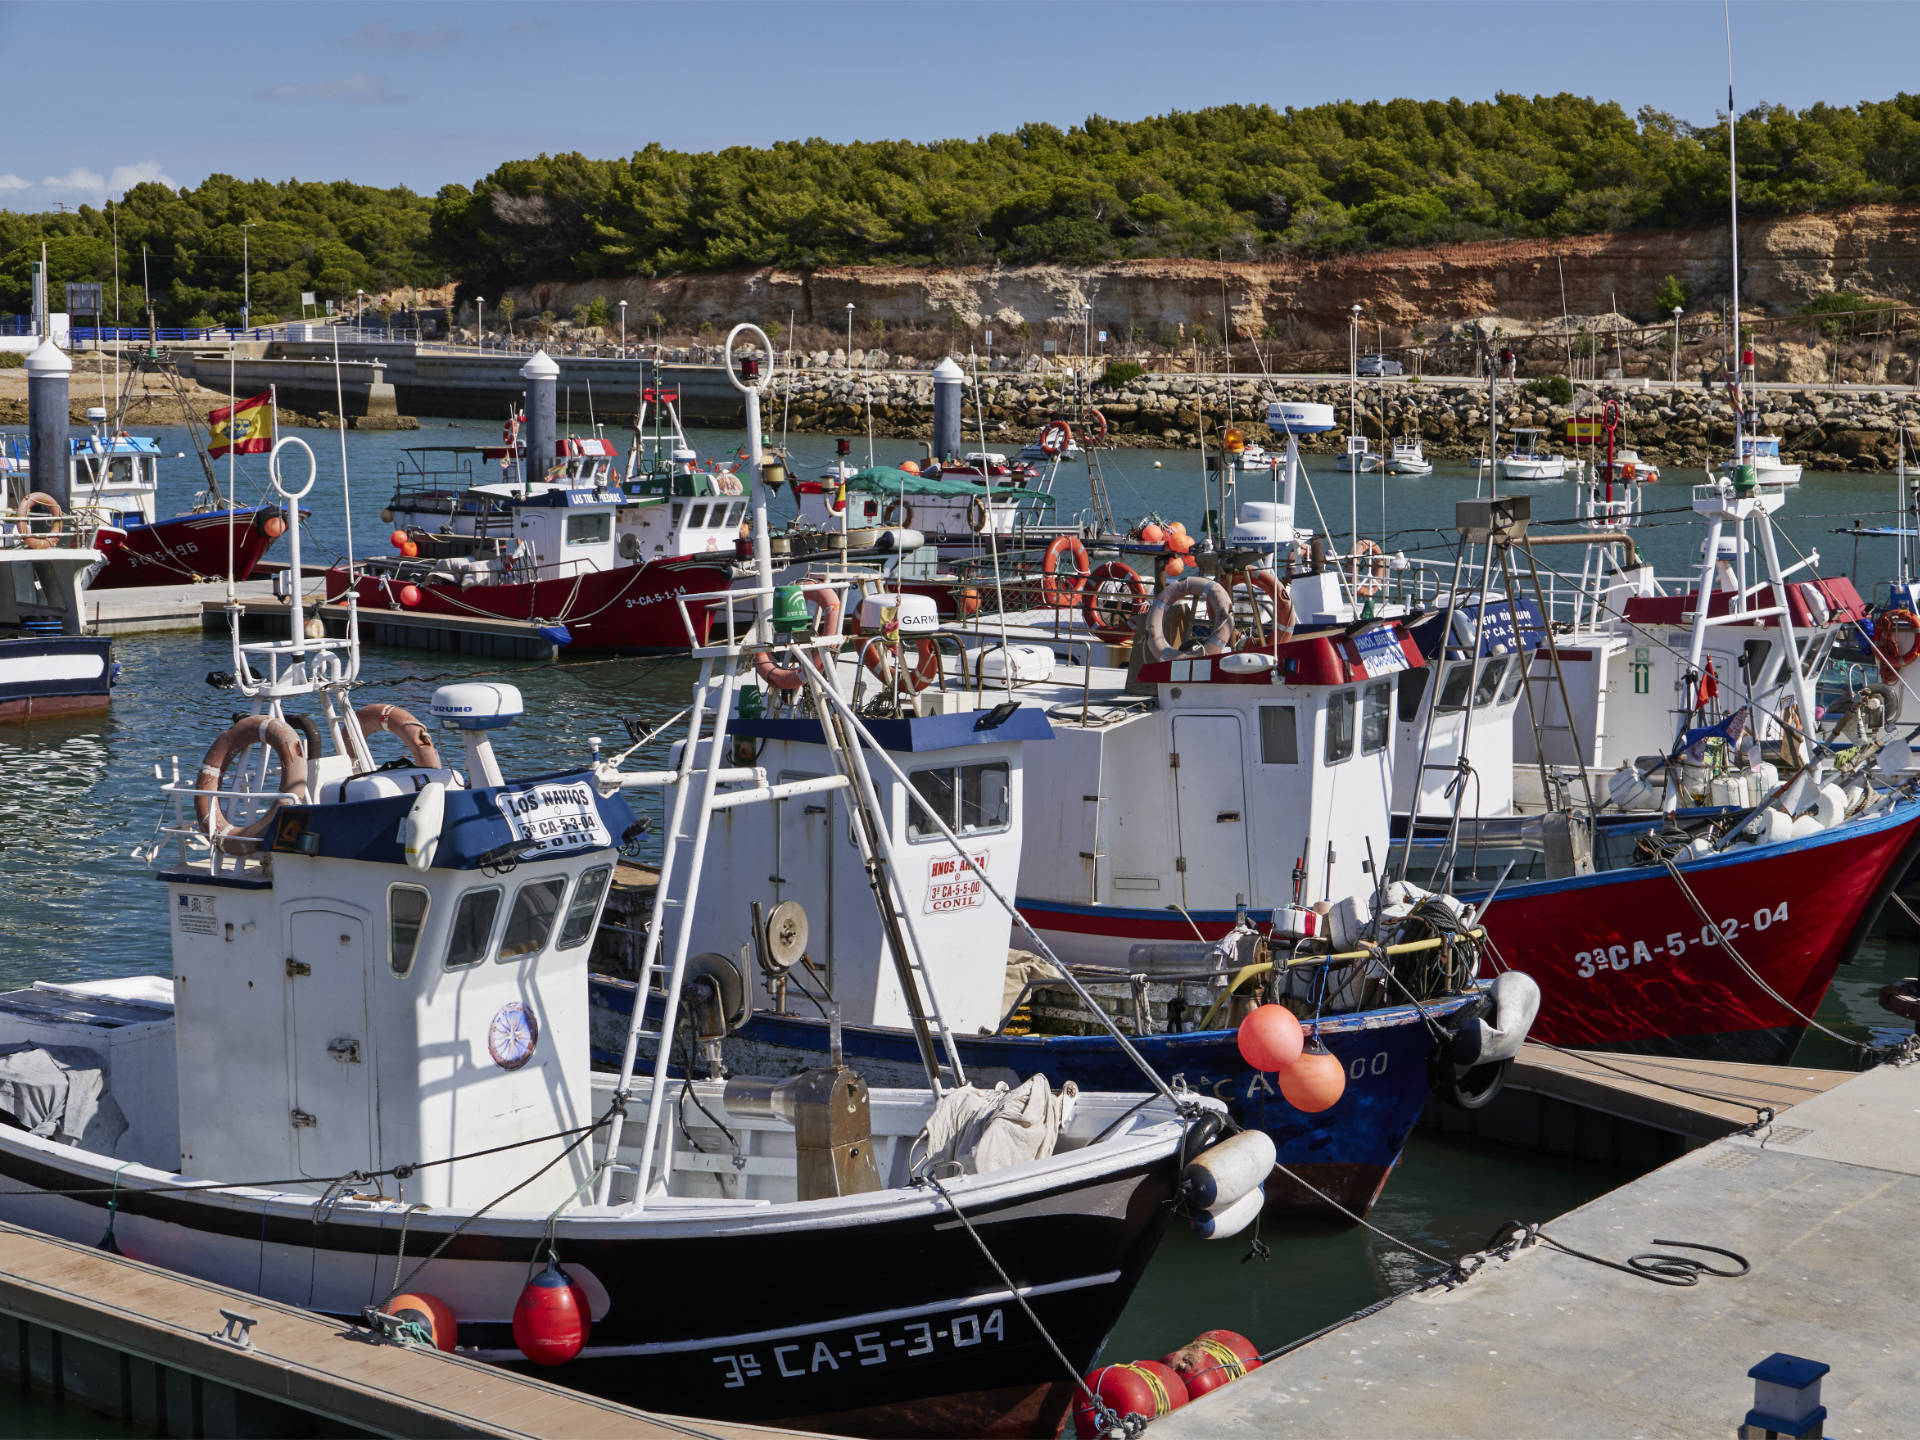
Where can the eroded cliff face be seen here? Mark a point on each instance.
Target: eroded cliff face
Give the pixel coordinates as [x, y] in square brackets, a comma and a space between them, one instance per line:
[1785, 262]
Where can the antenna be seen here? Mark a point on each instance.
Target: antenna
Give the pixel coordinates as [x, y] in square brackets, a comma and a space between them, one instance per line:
[1733, 230]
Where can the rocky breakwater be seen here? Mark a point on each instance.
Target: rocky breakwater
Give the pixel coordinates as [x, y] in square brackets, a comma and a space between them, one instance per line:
[1684, 425]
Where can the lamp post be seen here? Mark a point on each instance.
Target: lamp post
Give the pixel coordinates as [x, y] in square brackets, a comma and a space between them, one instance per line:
[246, 277]
[623, 329]
[480, 323]
[1674, 378]
[849, 334]
[360, 310]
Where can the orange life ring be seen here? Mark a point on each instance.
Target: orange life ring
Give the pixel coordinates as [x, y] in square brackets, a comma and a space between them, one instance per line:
[899, 512]
[1118, 614]
[233, 742]
[1364, 588]
[1055, 590]
[917, 677]
[1055, 438]
[1896, 642]
[1276, 590]
[1097, 425]
[403, 727]
[41, 502]
[827, 622]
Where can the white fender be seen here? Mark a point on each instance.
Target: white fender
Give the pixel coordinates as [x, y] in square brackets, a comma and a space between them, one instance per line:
[1516, 1000]
[1830, 806]
[1223, 1222]
[1226, 1172]
[420, 829]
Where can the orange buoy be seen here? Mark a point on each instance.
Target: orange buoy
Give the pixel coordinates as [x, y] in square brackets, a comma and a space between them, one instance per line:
[550, 1321]
[1145, 1388]
[1213, 1359]
[399, 538]
[410, 550]
[1173, 567]
[1151, 534]
[430, 1313]
[911, 467]
[1177, 527]
[1314, 1082]
[1270, 1038]
[273, 527]
[410, 595]
[1180, 543]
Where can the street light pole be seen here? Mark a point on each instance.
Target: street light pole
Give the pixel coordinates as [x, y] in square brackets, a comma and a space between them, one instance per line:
[360, 310]
[1674, 378]
[623, 329]
[480, 323]
[849, 334]
[246, 277]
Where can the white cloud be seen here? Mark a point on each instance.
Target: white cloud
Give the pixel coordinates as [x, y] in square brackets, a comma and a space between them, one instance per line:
[125, 177]
[358, 89]
[14, 182]
[79, 179]
[385, 35]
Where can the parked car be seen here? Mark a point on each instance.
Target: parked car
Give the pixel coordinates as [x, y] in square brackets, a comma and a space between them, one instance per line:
[1380, 365]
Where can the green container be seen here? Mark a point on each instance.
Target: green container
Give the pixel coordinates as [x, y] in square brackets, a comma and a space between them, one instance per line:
[1744, 478]
[752, 703]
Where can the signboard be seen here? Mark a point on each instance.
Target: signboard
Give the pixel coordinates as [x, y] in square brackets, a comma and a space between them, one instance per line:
[83, 298]
[953, 885]
[557, 817]
[1046, 347]
[1379, 650]
[306, 297]
[1499, 637]
[989, 339]
[1103, 337]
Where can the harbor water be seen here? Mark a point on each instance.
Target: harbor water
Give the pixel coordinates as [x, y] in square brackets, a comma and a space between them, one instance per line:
[78, 795]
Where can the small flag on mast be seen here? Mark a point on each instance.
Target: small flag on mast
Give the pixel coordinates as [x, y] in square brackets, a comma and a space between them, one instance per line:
[245, 428]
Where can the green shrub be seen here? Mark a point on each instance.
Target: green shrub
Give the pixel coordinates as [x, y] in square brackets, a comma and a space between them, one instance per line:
[1119, 373]
[1670, 294]
[1554, 389]
[12, 360]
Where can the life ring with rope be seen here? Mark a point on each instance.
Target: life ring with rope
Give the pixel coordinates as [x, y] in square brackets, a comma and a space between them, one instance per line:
[1196, 588]
[400, 723]
[229, 746]
[916, 677]
[1055, 589]
[1112, 616]
[1275, 589]
[899, 512]
[38, 502]
[825, 623]
[1365, 587]
[1096, 427]
[1055, 438]
[978, 515]
[1896, 642]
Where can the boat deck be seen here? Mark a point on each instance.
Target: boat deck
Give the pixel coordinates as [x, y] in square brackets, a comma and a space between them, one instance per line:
[1545, 1343]
[116, 1335]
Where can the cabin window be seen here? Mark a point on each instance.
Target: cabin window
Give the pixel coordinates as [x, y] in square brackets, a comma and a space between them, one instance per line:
[592, 527]
[1516, 677]
[406, 918]
[1340, 726]
[122, 470]
[1491, 674]
[472, 929]
[1376, 717]
[679, 508]
[735, 511]
[530, 921]
[972, 799]
[1279, 735]
[1413, 689]
[697, 518]
[1453, 694]
[585, 909]
[871, 508]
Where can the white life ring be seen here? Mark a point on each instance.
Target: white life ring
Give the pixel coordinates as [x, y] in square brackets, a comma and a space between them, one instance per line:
[1190, 587]
[402, 726]
[232, 743]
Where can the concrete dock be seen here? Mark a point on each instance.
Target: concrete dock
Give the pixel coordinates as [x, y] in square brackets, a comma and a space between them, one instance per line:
[145, 1344]
[1543, 1343]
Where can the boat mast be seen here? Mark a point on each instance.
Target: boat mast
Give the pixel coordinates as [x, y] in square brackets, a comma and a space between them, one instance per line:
[1733, 228]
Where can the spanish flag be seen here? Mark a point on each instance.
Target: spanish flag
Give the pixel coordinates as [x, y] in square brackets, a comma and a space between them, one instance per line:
[245, 428]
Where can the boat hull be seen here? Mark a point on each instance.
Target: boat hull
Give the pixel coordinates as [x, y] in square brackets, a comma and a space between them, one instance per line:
[183, 549]
[55, 675]
[894, 1325]
[1346, 1153]
[1622, 964]
[633, 607]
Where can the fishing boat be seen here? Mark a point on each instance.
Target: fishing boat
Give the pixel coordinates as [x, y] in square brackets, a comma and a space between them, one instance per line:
[1407, 457]
[598, 561]
[1529, 460]
[389, 961]
[1762, 452]
[114, 482]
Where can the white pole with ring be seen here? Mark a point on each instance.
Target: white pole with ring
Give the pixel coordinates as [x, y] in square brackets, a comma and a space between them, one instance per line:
[751, 390]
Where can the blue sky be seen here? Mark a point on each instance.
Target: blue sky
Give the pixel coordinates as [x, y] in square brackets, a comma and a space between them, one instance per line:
[424, 94]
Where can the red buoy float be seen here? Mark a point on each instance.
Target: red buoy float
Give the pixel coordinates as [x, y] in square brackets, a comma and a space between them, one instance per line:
[410, 550]
[1146, 1388]
[1212, 1359]
[410, 595]
[1270, 1038]
[430, 1313]
[550, 1321]
[399, 538]
[1314, 1082]
[273, 527]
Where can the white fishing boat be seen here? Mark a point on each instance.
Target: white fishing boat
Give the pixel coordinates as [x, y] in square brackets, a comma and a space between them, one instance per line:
[378, 985]
[1529, 460]
[1762, 452]
[1407, 457]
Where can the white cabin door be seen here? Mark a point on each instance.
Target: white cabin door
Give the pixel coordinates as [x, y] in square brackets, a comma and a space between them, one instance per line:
[329, 1047]
[1210, 806]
